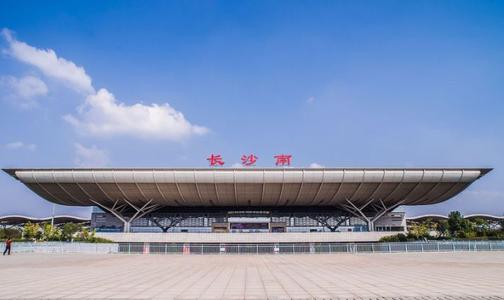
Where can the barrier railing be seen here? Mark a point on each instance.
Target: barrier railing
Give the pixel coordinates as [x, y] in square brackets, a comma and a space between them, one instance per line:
[308, 248]
[255, 249]
[64, 247]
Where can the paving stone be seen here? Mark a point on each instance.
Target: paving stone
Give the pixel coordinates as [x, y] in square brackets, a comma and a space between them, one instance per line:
[412, 276]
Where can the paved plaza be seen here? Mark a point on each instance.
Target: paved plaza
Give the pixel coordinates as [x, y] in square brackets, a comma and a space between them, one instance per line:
[461, 275]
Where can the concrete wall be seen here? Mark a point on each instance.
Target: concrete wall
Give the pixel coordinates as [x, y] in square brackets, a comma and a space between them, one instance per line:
[287, 237]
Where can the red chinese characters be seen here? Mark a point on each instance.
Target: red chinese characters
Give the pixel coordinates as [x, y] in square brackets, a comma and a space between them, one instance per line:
[215, 160]
[248, 160]
[283, 159]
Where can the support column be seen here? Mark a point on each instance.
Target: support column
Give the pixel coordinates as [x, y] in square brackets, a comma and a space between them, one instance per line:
[383, 209]
[380, 209]
[118, 210]
[358, 212]
[371, 225]
[126, 226]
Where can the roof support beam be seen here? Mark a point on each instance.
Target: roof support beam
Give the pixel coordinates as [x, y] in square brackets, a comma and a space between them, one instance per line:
[380, 210]
[173, 221]
[324, 220]
[358, 212]
[118, 210]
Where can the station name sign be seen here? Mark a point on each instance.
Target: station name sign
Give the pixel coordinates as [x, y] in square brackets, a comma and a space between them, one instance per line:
[249, 160]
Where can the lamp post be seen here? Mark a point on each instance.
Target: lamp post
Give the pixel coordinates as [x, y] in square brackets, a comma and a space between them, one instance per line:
[52, 218]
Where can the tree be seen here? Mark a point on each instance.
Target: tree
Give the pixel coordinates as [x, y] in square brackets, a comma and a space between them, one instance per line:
[13, 233]
[85, 233]
[434, 227]
[69, 230]
[50, 233]
[86, 236]
[442, 228]
[457, 225]
[418, 231]
[391, 238]
[480, 225]
[31, 231]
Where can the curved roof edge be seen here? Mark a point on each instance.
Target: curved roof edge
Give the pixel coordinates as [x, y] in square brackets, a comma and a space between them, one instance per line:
[43, 219]
[433, 216]
[470, 216]
[12, 171]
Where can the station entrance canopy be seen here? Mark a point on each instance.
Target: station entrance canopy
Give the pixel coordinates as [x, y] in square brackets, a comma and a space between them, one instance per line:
[366, 193]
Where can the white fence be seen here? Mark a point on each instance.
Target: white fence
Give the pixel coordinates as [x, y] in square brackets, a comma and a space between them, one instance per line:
[308, 248]
[62, 247]
[254, 248]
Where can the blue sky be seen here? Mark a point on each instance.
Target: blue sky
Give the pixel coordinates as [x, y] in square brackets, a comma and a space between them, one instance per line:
[336, 83]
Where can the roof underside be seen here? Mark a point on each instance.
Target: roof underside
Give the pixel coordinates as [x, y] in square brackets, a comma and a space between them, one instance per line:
[246, 187]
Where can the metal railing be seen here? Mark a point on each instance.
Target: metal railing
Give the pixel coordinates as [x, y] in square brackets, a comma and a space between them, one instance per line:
[254, 249]
[308, 248]
[64, 247]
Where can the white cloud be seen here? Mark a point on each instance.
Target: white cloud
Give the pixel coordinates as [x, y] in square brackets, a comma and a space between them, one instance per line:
[20, 145]
[316, 165]
[49, 63]
[24, 90]
[103, 115]
[310, 100]
[90, 156]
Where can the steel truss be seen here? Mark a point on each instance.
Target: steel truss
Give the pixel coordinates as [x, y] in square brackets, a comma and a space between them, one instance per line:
[324, 220]
[127, 212]
[371, 211]
[172, 221]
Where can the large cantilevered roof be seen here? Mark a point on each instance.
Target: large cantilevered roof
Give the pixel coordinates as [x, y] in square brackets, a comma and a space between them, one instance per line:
[247, 187]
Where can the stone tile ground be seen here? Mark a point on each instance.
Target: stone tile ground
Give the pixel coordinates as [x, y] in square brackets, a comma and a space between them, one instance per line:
[459, 275]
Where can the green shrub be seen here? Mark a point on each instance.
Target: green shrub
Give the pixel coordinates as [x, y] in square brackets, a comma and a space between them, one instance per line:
[12, 233]
[394, 238]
